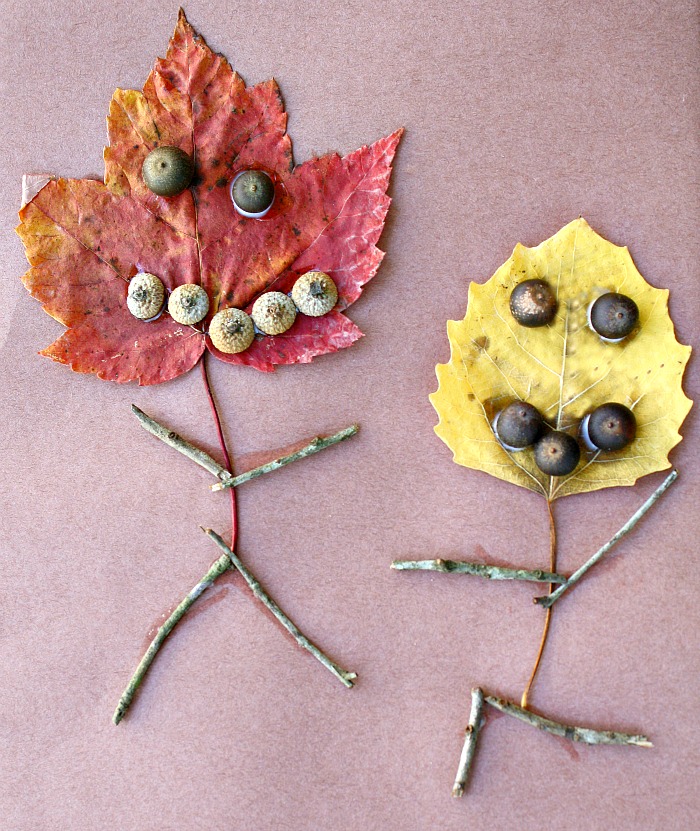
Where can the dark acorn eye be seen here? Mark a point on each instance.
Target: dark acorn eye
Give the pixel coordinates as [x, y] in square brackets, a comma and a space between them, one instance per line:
[609, 427]
[518, 425]
[253, 193]
[167, 170]
[613, 316]
[557, 454]
[532, 303]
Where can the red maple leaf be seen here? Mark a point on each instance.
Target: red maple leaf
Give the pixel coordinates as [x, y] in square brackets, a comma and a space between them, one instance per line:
[85, 239]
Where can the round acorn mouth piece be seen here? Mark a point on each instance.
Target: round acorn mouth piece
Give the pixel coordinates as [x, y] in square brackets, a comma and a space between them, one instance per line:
[314, 293]
[274, 313]
[518, 426]
[610, 427]
[557, 453]
[145, 296]
[231, 331]
[188, 304]
[167, 171]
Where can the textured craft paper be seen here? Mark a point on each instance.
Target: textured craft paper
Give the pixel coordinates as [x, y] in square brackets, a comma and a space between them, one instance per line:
[519, 117]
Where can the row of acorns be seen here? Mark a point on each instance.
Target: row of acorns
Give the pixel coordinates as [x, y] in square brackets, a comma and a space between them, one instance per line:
[232, 330]
[610, 427]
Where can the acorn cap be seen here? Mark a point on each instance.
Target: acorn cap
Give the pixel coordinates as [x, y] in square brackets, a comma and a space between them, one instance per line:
[613, 316]
[188, 304]
[314, 293]
[231, 331]
[518, 425]
[273, 313]
[532, 303]
[167, 170]
[253, 193]
[557, 453]
[145, 295]
[611, 427]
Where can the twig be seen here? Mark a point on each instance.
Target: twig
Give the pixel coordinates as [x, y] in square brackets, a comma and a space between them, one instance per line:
[626, 528]
[316, 445]
[227, 480]
[346, 677]
[479, 570]
[577, 734]
[471, 735]
[217, 569]
[181, 445]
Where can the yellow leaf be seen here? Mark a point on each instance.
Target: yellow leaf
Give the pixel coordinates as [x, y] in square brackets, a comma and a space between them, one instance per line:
[564, 369]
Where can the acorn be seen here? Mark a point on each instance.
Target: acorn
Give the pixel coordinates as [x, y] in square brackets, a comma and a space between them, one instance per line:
[518, 425]
[145, 296]
[557, 453]
[273, 312]
[532, 303]
[609, 427]
[167, 170]
[188, 304]
[231, 331]
[253, 193]
[613, 316]
[314, 293]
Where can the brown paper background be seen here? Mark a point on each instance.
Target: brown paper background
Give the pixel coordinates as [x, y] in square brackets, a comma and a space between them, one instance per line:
[520, 116]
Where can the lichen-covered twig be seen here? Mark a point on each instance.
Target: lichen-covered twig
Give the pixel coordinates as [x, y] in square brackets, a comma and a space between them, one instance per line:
[626, 528]
[226, 479]
[471, 735]
[217, 569]
[479, 570]
[176, 441]
[346, 677]
[577, 734]
[314, 446]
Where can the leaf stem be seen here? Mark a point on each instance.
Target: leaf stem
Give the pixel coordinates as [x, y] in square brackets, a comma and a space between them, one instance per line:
[347, 678]
[314, 446]
[224, 450]
[552, 598]
[489, 572]
[217, 568]
[587, 735]
[470, 739]
[548, 614]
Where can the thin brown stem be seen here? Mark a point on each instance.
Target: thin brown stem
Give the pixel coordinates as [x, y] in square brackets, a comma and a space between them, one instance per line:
[548, 613]
[224, 450]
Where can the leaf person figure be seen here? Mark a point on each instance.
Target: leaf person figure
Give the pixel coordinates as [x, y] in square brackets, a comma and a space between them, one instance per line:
[534, 395]
[166, 261]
